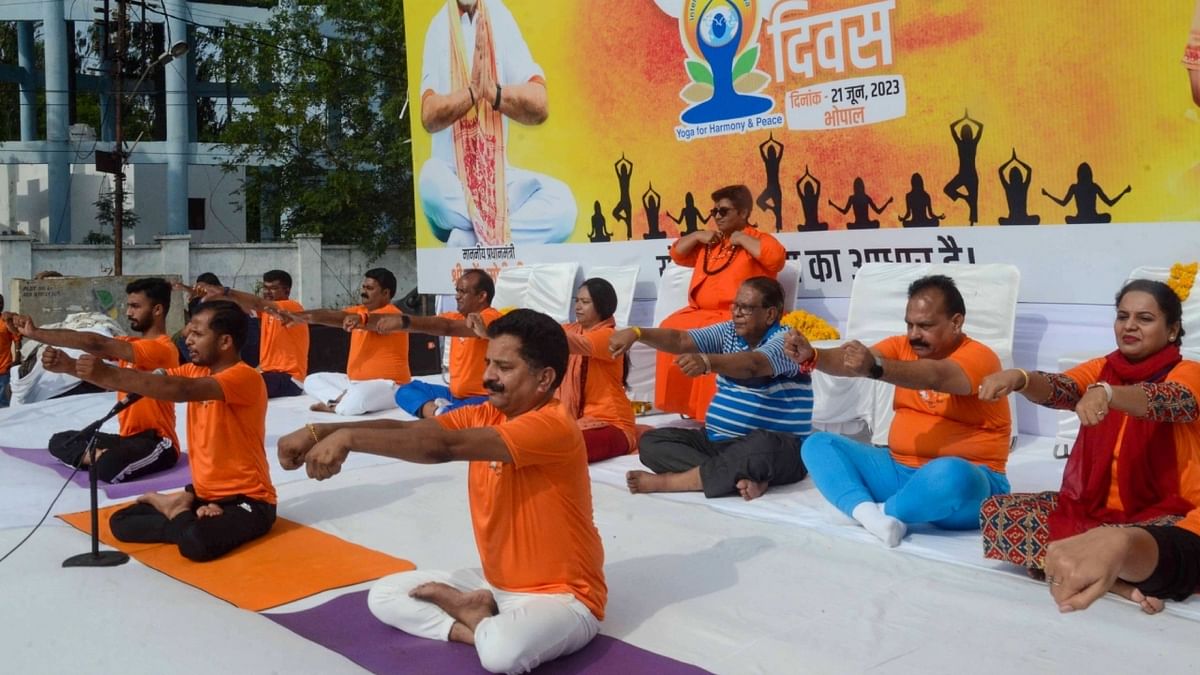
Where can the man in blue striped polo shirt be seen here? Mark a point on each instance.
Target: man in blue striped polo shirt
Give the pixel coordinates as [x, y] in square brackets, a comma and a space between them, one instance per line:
[761, 413]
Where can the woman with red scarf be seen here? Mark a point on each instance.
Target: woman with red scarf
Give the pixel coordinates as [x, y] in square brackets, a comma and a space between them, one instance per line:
[1137, 458]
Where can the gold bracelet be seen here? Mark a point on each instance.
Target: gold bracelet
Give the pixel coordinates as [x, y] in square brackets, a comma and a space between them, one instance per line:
[636, 331]
[1024, 375]
[312, 429]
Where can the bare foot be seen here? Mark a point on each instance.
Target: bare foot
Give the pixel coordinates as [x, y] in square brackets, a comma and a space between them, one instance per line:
[321, 406]
[169, 505]
[209, 510]
[468, 609]
[86, 458]
[645, 482]
[1149, 605]
[749, 489]
[429, 410]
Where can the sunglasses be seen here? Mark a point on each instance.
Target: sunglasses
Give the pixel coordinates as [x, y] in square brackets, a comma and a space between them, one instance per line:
[720, 211]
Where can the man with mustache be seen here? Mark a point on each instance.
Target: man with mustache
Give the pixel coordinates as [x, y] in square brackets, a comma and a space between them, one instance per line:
[760, 414]
[377, 365]
[947, 449]
[542, 592]
[146, 442]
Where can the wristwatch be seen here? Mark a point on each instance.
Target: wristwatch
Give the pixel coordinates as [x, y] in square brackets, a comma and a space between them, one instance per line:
[876, 371]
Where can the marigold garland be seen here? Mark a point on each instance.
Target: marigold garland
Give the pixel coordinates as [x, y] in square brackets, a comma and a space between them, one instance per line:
[1182, 278]
[810, 325]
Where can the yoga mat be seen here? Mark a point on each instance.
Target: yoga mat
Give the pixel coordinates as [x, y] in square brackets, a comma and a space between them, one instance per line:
[346, 626]
[171, 479]
[292, 561]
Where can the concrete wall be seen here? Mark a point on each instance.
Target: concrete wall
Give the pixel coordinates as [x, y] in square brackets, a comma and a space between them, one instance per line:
[322, 276]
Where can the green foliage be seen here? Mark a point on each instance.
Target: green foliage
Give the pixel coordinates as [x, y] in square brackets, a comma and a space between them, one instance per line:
[745, 62]
[106, 217]
[699, 71]
[331, 121]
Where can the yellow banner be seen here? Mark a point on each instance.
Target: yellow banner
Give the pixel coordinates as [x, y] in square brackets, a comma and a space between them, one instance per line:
[616, 120]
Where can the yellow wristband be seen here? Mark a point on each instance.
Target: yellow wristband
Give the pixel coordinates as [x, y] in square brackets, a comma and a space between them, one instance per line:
[312, 429]
[636, 331]
[1026, 382]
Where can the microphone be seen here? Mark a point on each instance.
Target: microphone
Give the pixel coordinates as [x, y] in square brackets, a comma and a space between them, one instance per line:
[124, 403]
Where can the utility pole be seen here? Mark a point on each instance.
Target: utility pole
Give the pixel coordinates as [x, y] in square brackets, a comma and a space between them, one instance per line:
[119, 178]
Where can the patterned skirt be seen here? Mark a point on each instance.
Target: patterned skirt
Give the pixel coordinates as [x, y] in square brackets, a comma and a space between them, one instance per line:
[1016, 527]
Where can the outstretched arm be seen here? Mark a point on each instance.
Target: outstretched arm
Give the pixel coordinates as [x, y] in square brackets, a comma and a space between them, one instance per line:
[840, 209]
[879, 209]
[324, 317]
[151, 385]
[92, 343]
[663, 339]
[422, 442]
[1065, 200]
[1112, 202]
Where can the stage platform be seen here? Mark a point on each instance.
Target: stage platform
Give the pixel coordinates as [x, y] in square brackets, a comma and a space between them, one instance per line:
[781, 585]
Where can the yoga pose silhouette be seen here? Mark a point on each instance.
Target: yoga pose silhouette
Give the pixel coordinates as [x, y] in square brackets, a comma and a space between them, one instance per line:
[1016, 191]
[860, 201]
[1085, 191]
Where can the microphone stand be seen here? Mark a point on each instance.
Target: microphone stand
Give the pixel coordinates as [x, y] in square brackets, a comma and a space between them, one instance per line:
[96, 557]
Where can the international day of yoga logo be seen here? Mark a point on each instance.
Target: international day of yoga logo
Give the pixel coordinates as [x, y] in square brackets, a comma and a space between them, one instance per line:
[724, 83]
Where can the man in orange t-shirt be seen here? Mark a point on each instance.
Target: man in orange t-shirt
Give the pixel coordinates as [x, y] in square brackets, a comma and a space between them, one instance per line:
[6, 357]
[146, 442]
[542, 592]
[722, 259]
[231, 499]
[377, 365]
[473, 295]
[282, 346]
[947, 449]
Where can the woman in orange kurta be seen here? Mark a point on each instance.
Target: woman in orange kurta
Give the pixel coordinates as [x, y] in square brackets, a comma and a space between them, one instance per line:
[1137, 457]
[593, 389]
[722, 259]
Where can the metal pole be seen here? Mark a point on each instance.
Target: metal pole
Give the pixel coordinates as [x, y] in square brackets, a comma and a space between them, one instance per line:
[119, 178]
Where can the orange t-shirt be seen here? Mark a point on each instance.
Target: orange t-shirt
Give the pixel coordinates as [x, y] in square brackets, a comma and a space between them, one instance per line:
[226, 438]
[533, 517]
[604, 397]
[931, 424]
[6, 341]
[1187, 434]
[378, 357]
[467, 357]
[149, 413]
[717, 291]
[283, 349]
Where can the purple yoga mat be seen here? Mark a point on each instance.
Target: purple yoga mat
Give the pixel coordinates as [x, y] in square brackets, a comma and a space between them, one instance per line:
[346, 626]
[171, 479]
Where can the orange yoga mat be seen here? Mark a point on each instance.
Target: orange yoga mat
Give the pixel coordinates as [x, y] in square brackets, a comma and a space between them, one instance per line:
[292, 561]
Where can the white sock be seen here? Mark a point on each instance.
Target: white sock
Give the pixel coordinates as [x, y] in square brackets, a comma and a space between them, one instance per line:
[887, 528]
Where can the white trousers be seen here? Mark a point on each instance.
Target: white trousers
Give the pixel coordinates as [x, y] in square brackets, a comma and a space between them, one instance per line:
[358, 397]
[541, 209]
[531, 628]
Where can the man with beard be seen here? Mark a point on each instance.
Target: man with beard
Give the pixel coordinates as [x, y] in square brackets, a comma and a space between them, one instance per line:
[146, 442]
[378, 363]
[231, 499]
[283, 347]
[541, 594]
[473, 295]
[947, 449]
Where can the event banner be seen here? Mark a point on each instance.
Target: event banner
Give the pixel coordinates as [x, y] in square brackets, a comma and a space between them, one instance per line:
[899, 130]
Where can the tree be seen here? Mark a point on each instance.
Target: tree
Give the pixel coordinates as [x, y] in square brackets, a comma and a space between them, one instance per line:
[329, 122]
[106, 218]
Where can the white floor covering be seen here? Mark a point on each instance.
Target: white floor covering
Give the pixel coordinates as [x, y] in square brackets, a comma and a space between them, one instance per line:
[781, 585]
